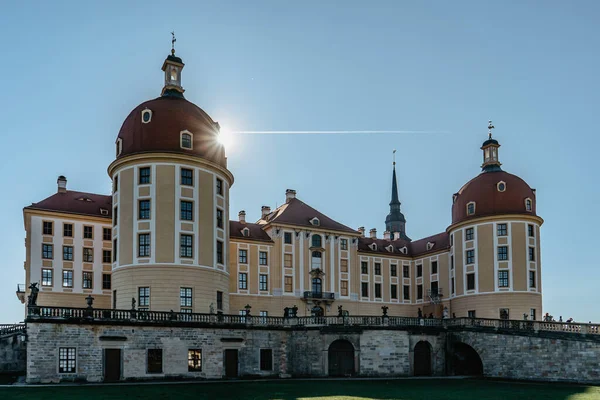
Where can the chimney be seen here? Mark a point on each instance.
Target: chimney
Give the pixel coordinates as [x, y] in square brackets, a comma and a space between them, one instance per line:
[62, 184]
[362, 231]
[242, 216]
[397, 235]
[289, 195]
[265, 210]
[386, 235]
[373, 233]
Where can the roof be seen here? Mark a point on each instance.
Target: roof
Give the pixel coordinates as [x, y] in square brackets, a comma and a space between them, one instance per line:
[415, 248]
[256, 231]
[441, 241]
[73, 202]
[296, 212]
[170, 116]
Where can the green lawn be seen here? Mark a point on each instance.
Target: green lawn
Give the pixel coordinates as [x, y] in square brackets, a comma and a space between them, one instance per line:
[413, 389]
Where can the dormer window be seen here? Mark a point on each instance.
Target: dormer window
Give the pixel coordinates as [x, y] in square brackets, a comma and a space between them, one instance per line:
[119, 145]
[246, 232]
[186, 140]
[454, 197]
[528, 204]
[315, 221]
[373, 246]
[103, 211]
[471, 208]
[403, 250]
[501, 186]
[390, 248]
[430, 245]
[316, 241]
[146, 116]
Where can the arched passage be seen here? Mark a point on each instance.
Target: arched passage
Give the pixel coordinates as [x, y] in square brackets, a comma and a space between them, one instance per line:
[341, 358]
[466, 360]
[422, 359]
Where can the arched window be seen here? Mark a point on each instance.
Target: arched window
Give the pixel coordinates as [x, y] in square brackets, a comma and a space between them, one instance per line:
[528, 204]
[316, 241]
[186, 140]
[119, 146]
[173, 74]
[317, 286]
[471, 208]
[316, 260]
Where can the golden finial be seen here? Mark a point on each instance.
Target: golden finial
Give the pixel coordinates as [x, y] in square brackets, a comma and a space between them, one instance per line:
[173, 40]
[490, 127]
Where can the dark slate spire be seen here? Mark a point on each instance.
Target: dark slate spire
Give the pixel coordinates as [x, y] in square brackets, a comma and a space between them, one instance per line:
[395, 223]
[490, 147]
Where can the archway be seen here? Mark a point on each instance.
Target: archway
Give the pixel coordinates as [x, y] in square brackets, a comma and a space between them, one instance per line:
[341, 358]
[422, 359]
[466, 360]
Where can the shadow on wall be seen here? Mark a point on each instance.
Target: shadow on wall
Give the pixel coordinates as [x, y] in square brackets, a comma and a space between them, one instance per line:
[466, 361]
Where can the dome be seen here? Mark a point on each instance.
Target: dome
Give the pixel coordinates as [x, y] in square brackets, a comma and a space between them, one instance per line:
[158, 126]
[492, 198]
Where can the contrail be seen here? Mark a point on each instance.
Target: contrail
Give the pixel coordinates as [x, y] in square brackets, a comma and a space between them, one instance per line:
[339, 132]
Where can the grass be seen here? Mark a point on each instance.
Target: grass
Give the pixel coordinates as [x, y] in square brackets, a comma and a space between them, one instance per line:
[406, 389]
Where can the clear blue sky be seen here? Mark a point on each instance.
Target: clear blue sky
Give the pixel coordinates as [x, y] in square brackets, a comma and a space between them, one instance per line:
[72, 72]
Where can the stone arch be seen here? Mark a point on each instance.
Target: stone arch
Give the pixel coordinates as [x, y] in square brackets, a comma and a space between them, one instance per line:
[422, 358]
[465, 360]
[340, 357]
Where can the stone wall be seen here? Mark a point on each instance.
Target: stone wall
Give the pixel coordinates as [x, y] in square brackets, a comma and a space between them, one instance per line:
[13, 354]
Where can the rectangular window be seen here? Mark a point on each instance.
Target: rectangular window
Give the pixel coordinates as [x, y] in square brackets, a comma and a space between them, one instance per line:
[116, 184]
[194, 360]
[187, 177]
[406, 271]
[88, 254]
[46, 277]
[344, 244]
[364, 267]
[501, 230]
[48, 225]
[451, 262]
[502, 253]
[532, 314]
[186, 246]
[219, 300]
[469, 234]
[470, 281]
[115, 215]
[364, 289]
[287, 260]
[106, 281]
[262, 257]
[434, 267]
[406, 289]
[344, 288]
[68, 253]
[106, 234]
[452, 288]
[185, 297]
[66, 360]
[219, 252]
[106, 256]
[419, 271]
[531, 279]
[220, 186]
[419, 292]
[144, 245]
[393, 270]
[144, 297]
[377, 268]
[243, 256]
[88, 232]
[532, 254]
[144, 209]
[144, 177]
[503, 279]
[47, 251]
[471, 314]
[68, 279]
[114, 250]
[266, 359]
[378, 290]
[219, 218]
[470, 256]
[288, 284]
[155, 361]
[287, 237]
[88, 280]
[344, 265]
[186, 211]
[243, 280]
[262, 282]
[530, 233]
[68, 230]
[394, 291]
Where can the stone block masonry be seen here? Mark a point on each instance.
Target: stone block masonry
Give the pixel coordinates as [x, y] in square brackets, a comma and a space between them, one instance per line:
[13, 354]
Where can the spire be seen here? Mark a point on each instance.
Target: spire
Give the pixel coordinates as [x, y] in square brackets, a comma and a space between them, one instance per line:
[395, 221]
[490, 147]
[172, 68]
[394, 184]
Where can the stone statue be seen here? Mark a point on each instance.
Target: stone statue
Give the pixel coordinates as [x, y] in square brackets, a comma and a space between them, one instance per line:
[294, 311]
[286, 312]
[211, 308]
[32, 298]
[133, 303]
[340, 311]
[445, 312]
[384, 309]
[419, 313]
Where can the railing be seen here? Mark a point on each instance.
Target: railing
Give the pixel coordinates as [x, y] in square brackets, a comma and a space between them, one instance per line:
[9, 329]
[83, 315]
[319, 295]
[20, 288]
[435, 292]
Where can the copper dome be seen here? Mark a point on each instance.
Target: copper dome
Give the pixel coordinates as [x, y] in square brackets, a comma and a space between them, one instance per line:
[170, 116]
[489, 200]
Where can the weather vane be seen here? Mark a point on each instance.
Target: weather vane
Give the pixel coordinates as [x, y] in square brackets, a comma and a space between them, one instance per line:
[490, 127]
[173, 40]
[394, 155]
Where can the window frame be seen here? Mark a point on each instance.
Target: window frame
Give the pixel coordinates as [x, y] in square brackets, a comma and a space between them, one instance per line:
[154, 363]
[364, 289]
[243, 256]
[243, 280]
[47, 273]
[219, 186]
[105, 259]
[263, 282]
[220, 255]
[186, 214]
[87, 280]
[378, 294]
[287, 235]
[364, 267]
[419, 270]
[144, 209]
[47, 251]
[88, 229]
[534, 280]
[530, 230]
[288, 282]
[184, 179]
[219, 216]
[67, 360]
[394, 291]
[393, 270]
[502, 229]
[266, 359]
[144, 244]
[186, 298]
[144, 176]
[88, 255]
[469, 234]
[47, 228]
[406, 271]
[471, 276]
[502, 253]
[144, 297]
[344, 244]
[503, 278]
[67, 253]
[377, 268]
[434, 267]
[474, 208]
[104, 281]
[67, 278]
[106, 233]
[406, 292]
[531, 253]
[470, 256]
[67, 227]
[194, 365]
[420, 292]
[186, 245]
[183, 135]
[263, 258]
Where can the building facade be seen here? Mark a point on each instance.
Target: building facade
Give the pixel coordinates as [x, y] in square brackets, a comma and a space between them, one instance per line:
[164, 239]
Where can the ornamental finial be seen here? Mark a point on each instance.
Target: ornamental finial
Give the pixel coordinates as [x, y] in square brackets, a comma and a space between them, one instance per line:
[394, 156]
[173, 40]
[490, 127]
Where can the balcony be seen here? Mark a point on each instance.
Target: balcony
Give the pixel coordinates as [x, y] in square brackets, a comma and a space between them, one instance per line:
[21, 292]
[435, 292]
[318, 296]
